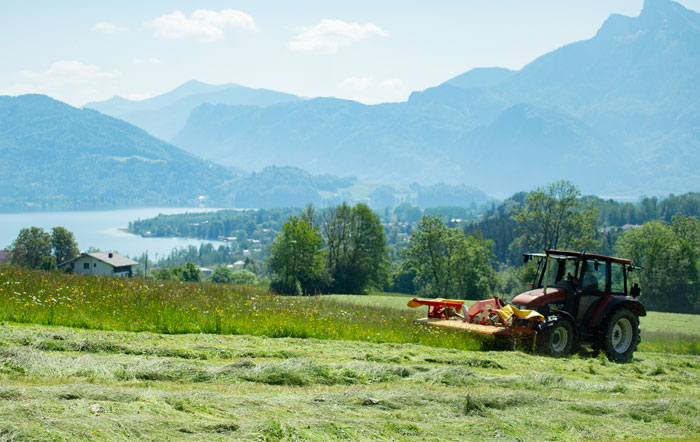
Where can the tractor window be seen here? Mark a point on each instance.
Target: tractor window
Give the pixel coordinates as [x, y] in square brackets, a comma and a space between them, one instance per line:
[594, 279]
[562, 273]
[617, 278]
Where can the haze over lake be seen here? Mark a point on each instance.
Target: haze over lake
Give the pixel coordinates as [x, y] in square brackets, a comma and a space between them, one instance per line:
[102, 229]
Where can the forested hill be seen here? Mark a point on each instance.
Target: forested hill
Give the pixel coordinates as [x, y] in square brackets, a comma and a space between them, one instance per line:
[54, 156]
[615, 114]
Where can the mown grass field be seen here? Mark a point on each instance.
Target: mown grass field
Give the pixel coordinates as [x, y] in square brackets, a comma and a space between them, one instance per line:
[272, 369]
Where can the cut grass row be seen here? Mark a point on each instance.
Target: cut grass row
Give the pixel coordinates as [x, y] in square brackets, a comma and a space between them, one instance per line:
[60, 383]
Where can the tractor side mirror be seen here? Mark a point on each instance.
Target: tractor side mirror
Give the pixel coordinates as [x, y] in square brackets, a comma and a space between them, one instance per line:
[526, 258]
[596, 265]
[635, 291]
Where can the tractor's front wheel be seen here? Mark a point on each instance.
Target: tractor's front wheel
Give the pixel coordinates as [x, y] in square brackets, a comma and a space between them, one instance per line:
[558, 340]
[620, 335]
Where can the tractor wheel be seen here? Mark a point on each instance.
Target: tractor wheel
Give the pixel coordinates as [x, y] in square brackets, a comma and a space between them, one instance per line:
[557, 340]
[620, 335]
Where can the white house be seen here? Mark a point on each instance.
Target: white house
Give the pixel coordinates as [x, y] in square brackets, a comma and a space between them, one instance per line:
[100, 263]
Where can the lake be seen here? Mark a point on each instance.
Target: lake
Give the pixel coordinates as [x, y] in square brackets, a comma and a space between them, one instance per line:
[102, 229]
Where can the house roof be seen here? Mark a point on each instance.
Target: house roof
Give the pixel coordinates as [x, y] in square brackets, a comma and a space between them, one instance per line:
[115, 260]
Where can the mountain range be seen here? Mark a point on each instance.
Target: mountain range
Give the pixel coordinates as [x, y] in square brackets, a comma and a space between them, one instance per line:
[57, 157]
[618, 114]
[163, 116]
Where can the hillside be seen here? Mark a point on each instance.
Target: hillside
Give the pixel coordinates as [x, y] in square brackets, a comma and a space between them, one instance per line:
[163, 116]
[617, 113]
[54, 156]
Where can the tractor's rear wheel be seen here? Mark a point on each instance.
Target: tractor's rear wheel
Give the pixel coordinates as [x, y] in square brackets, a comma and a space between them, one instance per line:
[620, 335]
[557, 340]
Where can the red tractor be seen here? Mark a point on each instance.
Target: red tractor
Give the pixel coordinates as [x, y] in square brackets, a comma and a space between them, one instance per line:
[586, 299]
[576, 299]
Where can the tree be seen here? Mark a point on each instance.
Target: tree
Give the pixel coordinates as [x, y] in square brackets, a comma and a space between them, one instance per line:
[403, 279]
[296, 259]
[163, 274]
[407, 213]
[356, 249]
[222, 275]
[63, 244]
[553, 218]
[670, 278]
[187, 273]
[31, 247]
[449, 263]
[243, 277]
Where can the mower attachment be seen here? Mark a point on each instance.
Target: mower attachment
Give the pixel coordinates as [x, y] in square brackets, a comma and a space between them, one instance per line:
[485, 317]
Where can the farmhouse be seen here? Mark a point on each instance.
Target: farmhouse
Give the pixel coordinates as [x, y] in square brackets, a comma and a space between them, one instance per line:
[100, 263]
[5, 256]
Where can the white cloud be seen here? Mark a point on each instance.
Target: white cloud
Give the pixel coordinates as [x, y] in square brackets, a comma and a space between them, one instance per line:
[108, 28]
[71, 72]
[366, 90]
[357, 83]
[66, 80]
[391, 84]
[204, 25]
[329, 35]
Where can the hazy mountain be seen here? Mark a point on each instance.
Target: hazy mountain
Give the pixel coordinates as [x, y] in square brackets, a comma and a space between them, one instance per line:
[53, 155]
[480, 78]
[617, 113]
[163, 116]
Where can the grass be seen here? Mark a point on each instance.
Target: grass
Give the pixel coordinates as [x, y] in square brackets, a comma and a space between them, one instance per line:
[59, 383]
[94, 302]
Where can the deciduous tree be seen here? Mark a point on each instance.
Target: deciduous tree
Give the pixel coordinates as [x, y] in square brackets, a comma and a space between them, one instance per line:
[31, 247]
[553, 218]
[296, 258]
[63, 244]
[448, 262]
[668, 255]
[357, 258]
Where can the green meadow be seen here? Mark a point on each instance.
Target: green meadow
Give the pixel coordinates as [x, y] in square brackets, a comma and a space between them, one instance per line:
[88, 358]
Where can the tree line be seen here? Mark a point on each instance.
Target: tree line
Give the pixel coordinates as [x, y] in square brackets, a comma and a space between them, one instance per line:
[35, 248]
[331, 252]
[347, 249]
[343, 250]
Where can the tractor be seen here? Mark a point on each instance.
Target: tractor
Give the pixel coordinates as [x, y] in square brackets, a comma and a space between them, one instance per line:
[576, 299]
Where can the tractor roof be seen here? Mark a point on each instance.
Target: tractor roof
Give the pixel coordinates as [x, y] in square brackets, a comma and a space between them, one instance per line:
[566, 254]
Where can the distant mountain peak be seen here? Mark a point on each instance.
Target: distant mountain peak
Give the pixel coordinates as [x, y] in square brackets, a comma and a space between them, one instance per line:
[656, 15]
[659, 10]
[657, 6]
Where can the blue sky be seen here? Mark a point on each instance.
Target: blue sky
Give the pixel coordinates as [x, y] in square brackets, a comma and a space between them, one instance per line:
[370, 51]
